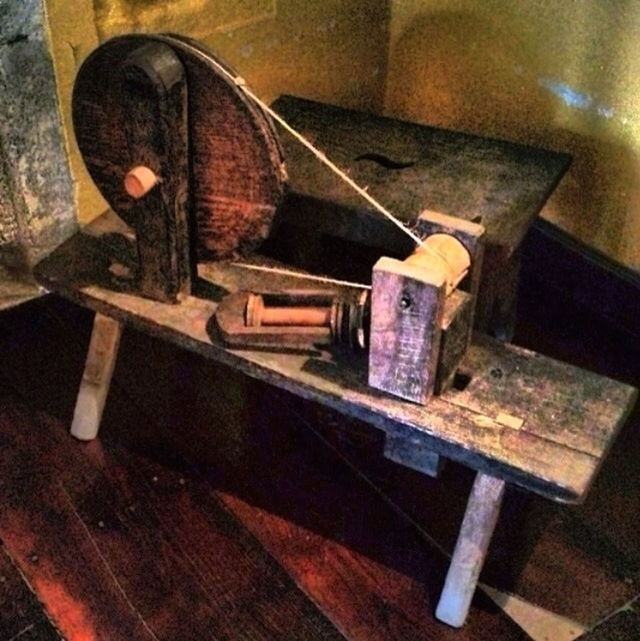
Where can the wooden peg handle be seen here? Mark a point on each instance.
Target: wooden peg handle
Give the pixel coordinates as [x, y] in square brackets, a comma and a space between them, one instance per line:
[139, 181]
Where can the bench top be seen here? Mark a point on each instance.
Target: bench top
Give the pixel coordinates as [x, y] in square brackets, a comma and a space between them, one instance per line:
[523, 417]
[410, 167]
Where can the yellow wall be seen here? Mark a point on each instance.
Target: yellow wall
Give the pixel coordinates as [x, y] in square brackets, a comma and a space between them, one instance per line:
[330, 50]
[563, 75]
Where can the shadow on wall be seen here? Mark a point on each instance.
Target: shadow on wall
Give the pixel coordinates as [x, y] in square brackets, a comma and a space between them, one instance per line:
[333, 51]
[459, 71]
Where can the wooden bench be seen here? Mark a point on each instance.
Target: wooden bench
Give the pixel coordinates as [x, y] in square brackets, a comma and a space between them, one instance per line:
[514, 416]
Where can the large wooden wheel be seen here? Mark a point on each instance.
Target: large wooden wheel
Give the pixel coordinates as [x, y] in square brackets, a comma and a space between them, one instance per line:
[237, 175]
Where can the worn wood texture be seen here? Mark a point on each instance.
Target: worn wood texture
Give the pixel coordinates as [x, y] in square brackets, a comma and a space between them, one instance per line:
[407, 305]
[479, 521]
[21, 616]
[237, 167]
[413, 455]
[37, 192]
[118, 546]
[409, 168]
[456, 326]
[153, 95]
[623, 625]
[582, 562]
[569, 417]
[98, 370]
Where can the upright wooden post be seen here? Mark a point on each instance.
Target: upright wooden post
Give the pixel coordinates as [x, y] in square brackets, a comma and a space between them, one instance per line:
[98, 369]
[470, 552]
[153, 93]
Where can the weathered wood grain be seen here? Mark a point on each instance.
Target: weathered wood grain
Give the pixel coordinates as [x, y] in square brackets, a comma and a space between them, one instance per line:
[457, 326]
[407, 305]
[556, 452]
[56, 555]
[153, 94]
[479, 521]
[21, 616]
[96, 379]
[410, 168]
[118, 546]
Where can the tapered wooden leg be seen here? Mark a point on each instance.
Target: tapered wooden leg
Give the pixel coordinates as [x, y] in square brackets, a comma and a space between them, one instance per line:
[468, 558]
[101, 359]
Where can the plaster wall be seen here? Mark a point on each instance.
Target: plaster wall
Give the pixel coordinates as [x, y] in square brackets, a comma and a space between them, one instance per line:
[564, 75]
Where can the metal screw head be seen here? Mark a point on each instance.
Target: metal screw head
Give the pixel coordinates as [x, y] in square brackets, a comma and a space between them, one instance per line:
[405, 301]
[496, 372]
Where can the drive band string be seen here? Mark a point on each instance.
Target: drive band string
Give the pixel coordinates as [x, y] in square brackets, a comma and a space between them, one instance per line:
[322, 157]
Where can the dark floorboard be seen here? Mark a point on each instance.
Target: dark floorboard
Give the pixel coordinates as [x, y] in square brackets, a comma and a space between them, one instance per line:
[194, 459]
[21, 615]
[111, 557]
[622, 626]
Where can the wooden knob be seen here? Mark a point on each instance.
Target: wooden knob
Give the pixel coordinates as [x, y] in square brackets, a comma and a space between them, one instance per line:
[139, 181]
[445, 255]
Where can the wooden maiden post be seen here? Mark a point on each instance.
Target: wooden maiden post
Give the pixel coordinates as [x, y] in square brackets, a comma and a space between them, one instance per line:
[412, 306]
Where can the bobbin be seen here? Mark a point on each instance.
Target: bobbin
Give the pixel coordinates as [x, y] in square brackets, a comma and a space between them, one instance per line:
[302, 319]
[415, 323]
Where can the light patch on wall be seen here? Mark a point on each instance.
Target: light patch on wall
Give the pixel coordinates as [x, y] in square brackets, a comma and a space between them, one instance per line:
[194, 17]
[574, 98]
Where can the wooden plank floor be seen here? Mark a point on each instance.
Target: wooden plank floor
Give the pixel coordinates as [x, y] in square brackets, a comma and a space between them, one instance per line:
[197, 515]
[212, 508]
[21, 616]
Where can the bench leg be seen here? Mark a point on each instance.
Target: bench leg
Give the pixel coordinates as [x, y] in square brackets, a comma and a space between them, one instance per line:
[468, 558]
[98, 369]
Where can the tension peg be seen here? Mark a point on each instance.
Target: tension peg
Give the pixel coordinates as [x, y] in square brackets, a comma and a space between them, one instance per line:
[139, 181]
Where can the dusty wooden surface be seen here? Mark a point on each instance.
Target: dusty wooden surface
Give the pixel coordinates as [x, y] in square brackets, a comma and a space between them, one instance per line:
[409, 168]
[407, 308]
[236, 162]
[153, 93]
[525, 418]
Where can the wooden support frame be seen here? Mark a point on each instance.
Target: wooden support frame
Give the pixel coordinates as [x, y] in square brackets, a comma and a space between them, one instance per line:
[543, 453]
[98, 369]
[153, 92]
[471, 548]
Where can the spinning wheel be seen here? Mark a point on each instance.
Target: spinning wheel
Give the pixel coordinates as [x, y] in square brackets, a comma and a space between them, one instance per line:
[235, 167]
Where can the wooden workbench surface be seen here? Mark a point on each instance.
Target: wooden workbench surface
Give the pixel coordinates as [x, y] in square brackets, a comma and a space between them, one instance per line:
[523, 417]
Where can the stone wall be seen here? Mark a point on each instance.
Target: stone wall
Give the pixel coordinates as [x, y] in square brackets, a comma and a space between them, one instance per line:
[36, 191]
